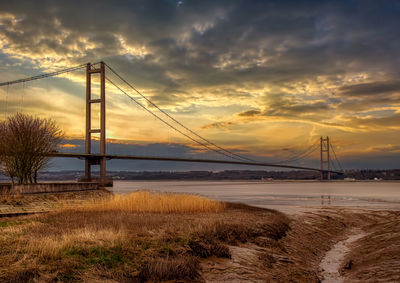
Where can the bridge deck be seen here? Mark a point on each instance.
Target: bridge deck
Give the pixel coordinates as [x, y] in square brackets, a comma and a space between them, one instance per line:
[195, 160]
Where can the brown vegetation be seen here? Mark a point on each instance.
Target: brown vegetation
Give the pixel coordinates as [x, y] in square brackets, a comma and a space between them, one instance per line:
[157, 202]
[127, 246]
[17, 203]
[23, 142]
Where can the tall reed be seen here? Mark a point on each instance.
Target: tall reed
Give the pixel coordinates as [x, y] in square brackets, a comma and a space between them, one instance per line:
[156, 202]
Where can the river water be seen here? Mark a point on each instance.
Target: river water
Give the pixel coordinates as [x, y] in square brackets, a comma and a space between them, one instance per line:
[282, 195]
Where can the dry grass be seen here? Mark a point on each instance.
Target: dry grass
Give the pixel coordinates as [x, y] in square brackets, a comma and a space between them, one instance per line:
[156, 202]
[138, 237]
[17, 203]
[11, 199]
[50, 245]
[169, 269]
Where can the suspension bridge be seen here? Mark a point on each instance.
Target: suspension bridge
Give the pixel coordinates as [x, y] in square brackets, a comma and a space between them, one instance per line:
[328, 158]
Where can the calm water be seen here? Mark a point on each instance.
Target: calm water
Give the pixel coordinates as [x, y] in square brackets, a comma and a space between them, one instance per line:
[281, 195]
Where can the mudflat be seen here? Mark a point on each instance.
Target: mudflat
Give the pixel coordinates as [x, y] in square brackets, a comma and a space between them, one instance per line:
[72, 241]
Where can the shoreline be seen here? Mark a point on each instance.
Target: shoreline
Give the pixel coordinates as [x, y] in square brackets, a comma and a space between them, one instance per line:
[227, 180]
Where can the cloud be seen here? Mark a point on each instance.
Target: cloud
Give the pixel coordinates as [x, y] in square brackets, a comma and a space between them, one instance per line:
[388, 148]
[219, 125]
[285, 106]
[212, 43]
[250, 113]
[373, 88]
[68, 145]
[300, 110]
[374, 124]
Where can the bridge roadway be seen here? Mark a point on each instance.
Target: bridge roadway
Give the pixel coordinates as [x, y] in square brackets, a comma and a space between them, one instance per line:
[195, 160]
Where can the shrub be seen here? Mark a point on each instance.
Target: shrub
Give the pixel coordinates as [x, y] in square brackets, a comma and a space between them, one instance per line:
[24, 142]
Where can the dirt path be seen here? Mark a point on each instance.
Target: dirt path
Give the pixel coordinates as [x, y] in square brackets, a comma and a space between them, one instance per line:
[334, 258]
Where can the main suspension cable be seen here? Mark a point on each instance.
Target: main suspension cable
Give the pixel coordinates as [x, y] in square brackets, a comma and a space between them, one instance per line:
[44, 75]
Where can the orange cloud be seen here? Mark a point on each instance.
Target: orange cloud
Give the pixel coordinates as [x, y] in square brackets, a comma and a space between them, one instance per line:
[68, 145]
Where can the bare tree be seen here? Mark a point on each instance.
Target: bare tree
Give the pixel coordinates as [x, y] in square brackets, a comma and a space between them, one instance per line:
[24, 141]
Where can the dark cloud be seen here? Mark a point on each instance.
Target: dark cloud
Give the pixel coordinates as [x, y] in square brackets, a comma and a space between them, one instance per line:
[219, 125]
[373, 88]
[285, 106]
[229, 92]
[293, 110]
[368, 102]
[250, 113]
[213, 42]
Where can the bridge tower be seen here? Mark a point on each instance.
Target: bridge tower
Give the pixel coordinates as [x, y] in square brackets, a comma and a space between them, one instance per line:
[100, 159]
[325, 158]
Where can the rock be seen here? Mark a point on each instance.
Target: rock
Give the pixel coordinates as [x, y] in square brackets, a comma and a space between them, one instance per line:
[349, 265]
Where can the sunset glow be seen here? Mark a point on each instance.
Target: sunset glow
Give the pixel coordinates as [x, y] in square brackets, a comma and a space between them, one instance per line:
[248, 77]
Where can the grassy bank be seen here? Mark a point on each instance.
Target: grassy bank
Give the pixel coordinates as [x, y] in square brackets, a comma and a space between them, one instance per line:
[143, 236]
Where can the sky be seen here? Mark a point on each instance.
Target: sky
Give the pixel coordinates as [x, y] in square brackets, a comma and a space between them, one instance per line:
[264, 79]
